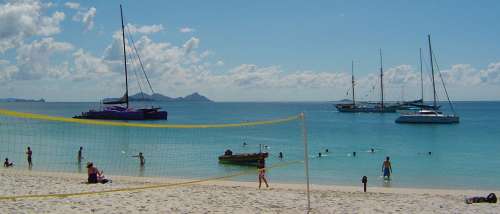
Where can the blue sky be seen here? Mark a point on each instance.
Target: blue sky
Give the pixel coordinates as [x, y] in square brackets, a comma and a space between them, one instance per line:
[236, 50]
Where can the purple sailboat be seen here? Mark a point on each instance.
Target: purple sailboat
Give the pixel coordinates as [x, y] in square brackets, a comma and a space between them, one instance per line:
[119, 109]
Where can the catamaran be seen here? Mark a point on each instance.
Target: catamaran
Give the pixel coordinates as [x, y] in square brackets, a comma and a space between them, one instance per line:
[431, 115]
[120, 109]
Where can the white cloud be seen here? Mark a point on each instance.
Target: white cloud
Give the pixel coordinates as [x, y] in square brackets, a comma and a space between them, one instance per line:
[144, 29]
[186, 30]
[72, 5]
[23, 19]
[86, 17]
[191, 44]
[34, 60]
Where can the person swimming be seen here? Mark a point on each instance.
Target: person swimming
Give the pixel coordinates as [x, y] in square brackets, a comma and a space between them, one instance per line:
[319, 154]
[372, 150]
[280, 156]
[354, 154]
[326, 151]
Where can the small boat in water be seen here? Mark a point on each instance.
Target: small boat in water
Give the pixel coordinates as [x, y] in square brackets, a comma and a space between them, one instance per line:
[431, 114]
[248, 159]
[119, 109]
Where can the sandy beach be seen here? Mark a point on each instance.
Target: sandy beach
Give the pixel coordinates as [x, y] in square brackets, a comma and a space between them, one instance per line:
[219, 197]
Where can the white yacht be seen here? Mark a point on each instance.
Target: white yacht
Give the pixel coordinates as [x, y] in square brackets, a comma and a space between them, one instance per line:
[431, 115]
[427, 116]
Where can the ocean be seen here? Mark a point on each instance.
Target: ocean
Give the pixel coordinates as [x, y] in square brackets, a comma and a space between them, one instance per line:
[463, 155]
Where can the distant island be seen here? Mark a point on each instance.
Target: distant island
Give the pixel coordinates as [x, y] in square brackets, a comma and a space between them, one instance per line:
[21, 100]
[141, 97]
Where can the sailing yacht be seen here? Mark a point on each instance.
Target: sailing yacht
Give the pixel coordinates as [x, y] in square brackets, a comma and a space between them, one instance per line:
[417, 105]
[430, 115]
[120, 109]
[368, 107]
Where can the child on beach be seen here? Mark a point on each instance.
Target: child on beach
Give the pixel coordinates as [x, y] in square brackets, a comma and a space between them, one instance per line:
[262, 174]
[7, 163]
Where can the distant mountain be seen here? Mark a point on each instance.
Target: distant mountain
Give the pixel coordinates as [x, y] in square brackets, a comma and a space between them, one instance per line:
[140, 97]
[20, 100]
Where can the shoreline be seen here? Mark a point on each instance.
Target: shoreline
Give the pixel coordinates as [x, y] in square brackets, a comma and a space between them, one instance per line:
[219, 196]
[145, 180]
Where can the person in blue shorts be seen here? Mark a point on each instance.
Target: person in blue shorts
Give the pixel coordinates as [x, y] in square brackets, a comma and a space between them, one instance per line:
[387, 168]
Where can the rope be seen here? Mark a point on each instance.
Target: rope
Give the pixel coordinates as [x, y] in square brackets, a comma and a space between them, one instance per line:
[142, 125]
[63, 195]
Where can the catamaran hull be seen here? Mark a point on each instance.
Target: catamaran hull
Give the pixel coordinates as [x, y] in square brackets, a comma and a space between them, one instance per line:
[415, 119]
[123, 115]
[350, 109]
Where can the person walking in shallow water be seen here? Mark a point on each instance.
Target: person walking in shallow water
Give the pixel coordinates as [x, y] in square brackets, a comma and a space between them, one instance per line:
[141, 158]
[79, 156]
[387, 168]
[29, 153]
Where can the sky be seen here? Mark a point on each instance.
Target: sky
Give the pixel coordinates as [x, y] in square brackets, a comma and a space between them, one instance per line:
[249, 50]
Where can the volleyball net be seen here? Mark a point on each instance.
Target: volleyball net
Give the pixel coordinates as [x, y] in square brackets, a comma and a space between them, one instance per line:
[188, 151]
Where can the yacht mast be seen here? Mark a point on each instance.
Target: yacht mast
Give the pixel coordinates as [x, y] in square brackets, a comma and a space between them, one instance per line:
[124, 57]
[421, 77]
[432, 69]
[381, 81]
[352, 73]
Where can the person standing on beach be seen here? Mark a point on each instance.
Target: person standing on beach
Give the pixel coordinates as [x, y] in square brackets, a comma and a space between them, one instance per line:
[80, 157]
[29, 153]
[387, 168]
[262, 174]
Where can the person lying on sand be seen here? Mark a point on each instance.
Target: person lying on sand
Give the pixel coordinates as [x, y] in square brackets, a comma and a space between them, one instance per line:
[491, 198]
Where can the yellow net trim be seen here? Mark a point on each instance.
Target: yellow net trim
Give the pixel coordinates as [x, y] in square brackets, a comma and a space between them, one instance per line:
[142, 125]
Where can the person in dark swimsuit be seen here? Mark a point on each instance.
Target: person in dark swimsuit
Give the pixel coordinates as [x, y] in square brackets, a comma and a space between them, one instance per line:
[93, 173]
[79, 156]
[141, 158]
[29, 153]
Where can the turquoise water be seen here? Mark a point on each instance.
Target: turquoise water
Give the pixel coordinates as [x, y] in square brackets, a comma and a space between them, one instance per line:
[464, 155]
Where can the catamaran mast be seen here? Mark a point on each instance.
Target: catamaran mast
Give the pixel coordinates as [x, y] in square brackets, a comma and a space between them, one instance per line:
[124, 57]
[421, 77]
[432, 69]
[381, 81]
[352, 73]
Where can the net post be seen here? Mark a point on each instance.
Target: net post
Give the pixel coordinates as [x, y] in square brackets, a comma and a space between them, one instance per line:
[306, 159]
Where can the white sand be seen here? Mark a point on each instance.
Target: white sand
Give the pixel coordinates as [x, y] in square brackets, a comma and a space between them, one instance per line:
[221, 197]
